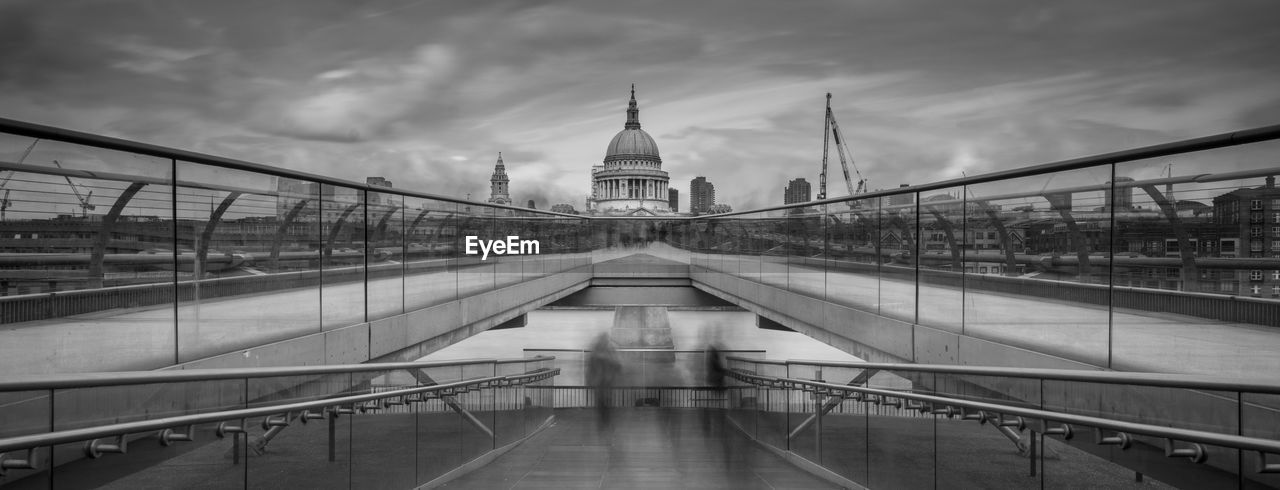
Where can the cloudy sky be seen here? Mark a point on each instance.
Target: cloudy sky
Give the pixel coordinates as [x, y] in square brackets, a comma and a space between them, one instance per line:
[426, 93]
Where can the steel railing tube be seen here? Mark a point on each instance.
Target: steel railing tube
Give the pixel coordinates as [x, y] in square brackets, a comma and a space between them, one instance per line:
[274, 418]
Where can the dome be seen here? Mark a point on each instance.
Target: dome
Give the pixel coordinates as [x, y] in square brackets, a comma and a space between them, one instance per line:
[632, 142]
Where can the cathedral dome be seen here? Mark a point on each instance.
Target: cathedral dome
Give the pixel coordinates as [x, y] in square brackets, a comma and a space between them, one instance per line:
[632, 142]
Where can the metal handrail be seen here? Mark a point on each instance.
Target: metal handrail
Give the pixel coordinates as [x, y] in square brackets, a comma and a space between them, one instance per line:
[39, 382]
[89, 433]
[1186, 435]
[1221, 140]
[1163, 380]
[22, 128]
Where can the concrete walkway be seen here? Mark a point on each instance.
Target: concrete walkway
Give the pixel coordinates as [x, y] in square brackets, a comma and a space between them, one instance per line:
[644, 448]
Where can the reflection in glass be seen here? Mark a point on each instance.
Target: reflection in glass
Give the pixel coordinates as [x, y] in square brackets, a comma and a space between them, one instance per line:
[342, 255]
[386, 252]
[940, 258]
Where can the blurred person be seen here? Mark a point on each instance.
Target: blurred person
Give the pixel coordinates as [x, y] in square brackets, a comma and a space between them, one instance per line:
[715, 379]
[603, 367]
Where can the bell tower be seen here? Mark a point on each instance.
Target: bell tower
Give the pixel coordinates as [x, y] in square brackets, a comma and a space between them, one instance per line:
[498, 190]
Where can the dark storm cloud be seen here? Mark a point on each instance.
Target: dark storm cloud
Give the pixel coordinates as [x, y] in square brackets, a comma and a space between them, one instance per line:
[426, 93]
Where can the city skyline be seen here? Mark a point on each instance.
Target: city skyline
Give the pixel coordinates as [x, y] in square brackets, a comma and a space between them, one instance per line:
[427, 95]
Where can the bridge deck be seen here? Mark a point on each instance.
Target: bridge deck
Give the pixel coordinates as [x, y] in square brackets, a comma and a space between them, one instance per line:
[645, 448]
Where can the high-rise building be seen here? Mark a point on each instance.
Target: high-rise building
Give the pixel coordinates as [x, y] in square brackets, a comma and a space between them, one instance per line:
[375, 198]
[902, 199]
[499, 193]
[797, 191]
[702, 195]
[631, 178]
[1123, 200]
[673, 200]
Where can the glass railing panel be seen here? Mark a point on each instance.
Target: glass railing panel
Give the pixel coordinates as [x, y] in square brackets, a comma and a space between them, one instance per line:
[898, 239]
[508, 415]
[1082, 463]
[804, 414]
[540, 227]
[277, 390]
[479, 370]
[726, 245]
[433, 252]
[477, 423]
[205, 462]
[746, 247]
[311, 455]
[540, 396]
[248, 273]
[843, 429]
[439, 436]
[744, 260]
[635, 248]
[742, 405]
[1260, 418]
[342, 256]
[583, 244]
[572, 364]
[673, 235]
[475, 269]
[1035, 267]
[973, 455]
[383, 453]
[386, 249]
[1203, 410]
[1003, 390]
[89, 407]
[772, 405]
[807, 255]
[853, 251]
[559, 246]
[1198, 236]
[1212, 411]
[901, 443]
[23, 413]
[1006, 451]
[508, 267]
[79, 223]
[773, 247]
[520, 404]
[941, 258]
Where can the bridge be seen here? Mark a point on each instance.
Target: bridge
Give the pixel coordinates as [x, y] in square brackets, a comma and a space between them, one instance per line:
[1090, 322]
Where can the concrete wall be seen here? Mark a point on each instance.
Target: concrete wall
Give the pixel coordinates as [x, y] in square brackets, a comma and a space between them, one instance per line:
[408, 336]
[869, 336]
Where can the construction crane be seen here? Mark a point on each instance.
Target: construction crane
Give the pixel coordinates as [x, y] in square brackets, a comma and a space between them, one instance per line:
[85, 207]
[832, 129]
[5, 203]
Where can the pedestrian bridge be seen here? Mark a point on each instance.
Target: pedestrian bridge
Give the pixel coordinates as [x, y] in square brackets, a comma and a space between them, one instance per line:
[1083, 323]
